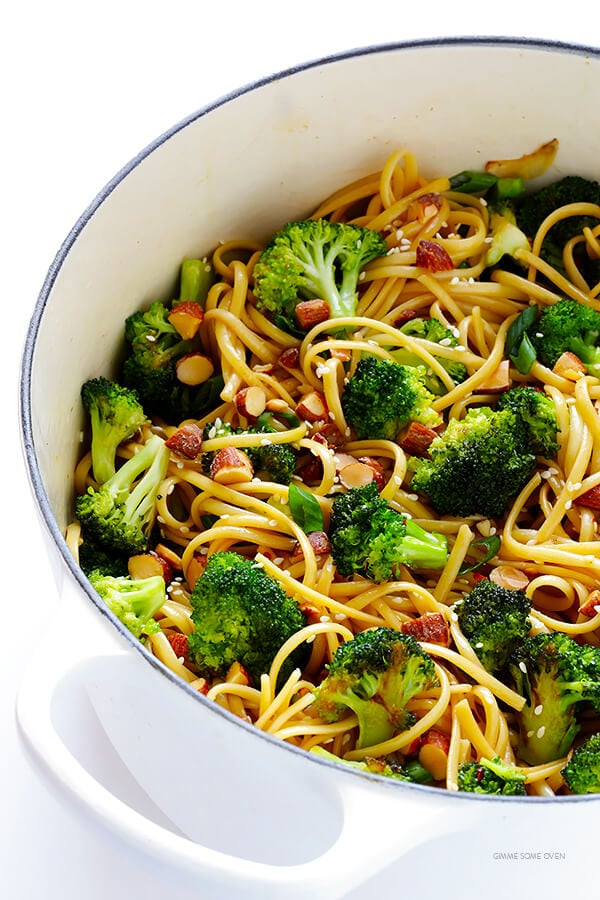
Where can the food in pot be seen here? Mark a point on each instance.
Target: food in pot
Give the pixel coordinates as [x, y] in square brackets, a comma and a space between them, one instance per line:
[361, 461]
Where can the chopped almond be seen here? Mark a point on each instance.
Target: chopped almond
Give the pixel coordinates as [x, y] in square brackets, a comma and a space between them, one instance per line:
[186, 318]
[425, 207]
[405, 315]
[509, 577]
[318, 540]
[433, 257]
[180, 646]
[590, 498]
[591, 607]
[250, 402]
[311, 472]
[416, 439]
[433, 753]
[569, 366]
[290, 358]
[194, 369]
[231, 466]
[186, 441]
[312, 312]
[431, 628]
[330, 436]
[312, 407]
[147, 565]
[498, 381]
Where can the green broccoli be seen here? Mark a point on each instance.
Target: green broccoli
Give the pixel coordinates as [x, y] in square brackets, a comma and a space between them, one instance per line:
[134, 602]
[536, 417]
[195, 280]
[476, 465]
[120, 514]
[412, 771]
[507, 237]
[115, 414]
[370, 538]
[435, 331]
[494, 619]
[94, 558]
[375, 675]
[558, 677]
[153, 347]
[535, 206]
[567, 326]
[314, 259]
[582, 771]
[383, 396]
[491, 776]
[242, 615]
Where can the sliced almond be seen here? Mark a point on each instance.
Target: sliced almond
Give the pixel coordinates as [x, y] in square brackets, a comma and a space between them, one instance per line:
[251, 402]
[569, 366]
[194, 369]
[509, 577]
[187, 318]
[498, 381]
[312, 407]
[591, 607]
[433, 753]
[378, 470]
[148, 565]
[290, 358]
[231, 466]
[356, 475]
[195, 569]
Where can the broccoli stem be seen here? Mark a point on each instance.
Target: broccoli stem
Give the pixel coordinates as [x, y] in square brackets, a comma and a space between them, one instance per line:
[196, 278]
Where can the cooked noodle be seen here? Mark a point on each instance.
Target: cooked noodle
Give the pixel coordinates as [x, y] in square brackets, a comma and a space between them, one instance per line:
[547, 536]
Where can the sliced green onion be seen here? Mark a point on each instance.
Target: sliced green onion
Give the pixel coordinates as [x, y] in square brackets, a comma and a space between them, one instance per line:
[305, 509]
[491, 544]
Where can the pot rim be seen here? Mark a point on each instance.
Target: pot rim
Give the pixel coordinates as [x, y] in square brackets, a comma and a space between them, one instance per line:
[27, 361]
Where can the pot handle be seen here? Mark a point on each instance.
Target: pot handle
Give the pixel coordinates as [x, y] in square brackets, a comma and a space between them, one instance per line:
[377, 825]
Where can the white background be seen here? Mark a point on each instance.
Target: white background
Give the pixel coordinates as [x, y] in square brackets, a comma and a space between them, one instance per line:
[84, 88]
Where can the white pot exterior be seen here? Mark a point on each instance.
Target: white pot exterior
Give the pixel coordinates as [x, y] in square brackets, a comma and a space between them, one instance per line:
[241, 168]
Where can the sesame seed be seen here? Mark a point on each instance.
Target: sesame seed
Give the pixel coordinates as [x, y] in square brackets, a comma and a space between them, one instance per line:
[310, 638]
[445, 342]
[483, 201]
[151, 338]
[265, 442]
[362, 276]
[523, 667]
[455, 279]
[540, 732]
[184, 529]
[399, 234]
[324, 619]
[539, 709]
[339, 617]
[530, 734]
[568, 504]
[479, 645]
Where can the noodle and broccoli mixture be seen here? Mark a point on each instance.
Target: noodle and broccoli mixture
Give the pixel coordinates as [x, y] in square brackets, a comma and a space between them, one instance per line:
[346, 483]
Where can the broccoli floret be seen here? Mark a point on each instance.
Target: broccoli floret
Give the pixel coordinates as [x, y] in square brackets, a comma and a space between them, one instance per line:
[557, 676]
[153, 346]
[115, 414]
[375, 675]
[476, 466]
[534, 207]
[134, 602]
[536, 417]
[120, 514]
[507, 237]
[435, 331]
[314, 259]
[494, 619]
[388, 768]
[242, 615]
[582, 771]
[491, 776]
[94, 558]
[568, 326]
[383, 396]
[370, 538]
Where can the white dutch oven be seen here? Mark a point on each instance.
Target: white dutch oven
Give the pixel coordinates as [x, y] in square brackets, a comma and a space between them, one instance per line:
[207, 794]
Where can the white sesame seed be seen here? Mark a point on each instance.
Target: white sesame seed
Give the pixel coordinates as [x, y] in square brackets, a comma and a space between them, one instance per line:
[540, 732]
[362, 276]
[539, 709]
[339, 617]
[265, 442]
[523, 667]
[160, 520]
[184, 529]
[479, 645]
[530, 734]
[483, 201]
[310, 638]
[151, 338]
[568, 504]
[399, 234]
[455, 279]
[324, 619]
[412, 496]
[445, 342]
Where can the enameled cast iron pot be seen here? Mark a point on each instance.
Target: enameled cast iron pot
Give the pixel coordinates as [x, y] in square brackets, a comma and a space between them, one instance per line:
[250, 816]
